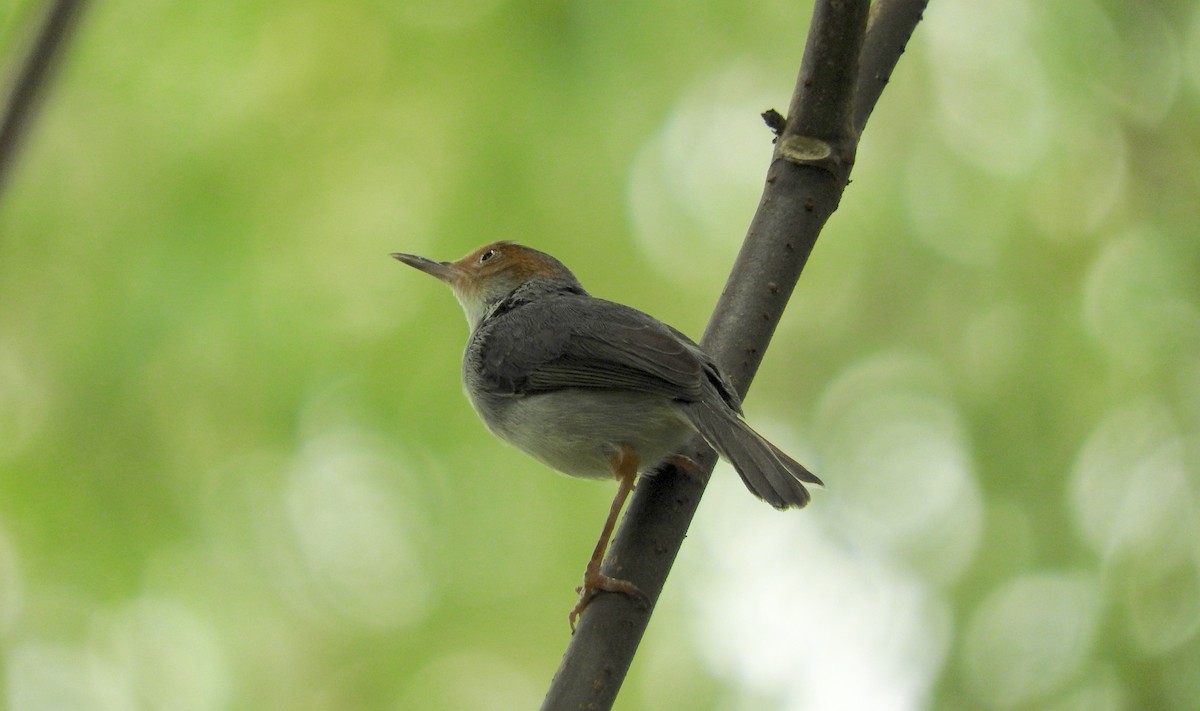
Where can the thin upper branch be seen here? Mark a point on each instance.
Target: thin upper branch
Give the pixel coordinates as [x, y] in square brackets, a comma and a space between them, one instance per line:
[32, 80]
[888, 30]
[809, 171]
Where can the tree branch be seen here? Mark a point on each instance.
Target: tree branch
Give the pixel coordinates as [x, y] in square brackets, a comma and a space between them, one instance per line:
[889, 28]
[808, 173]
[32, 79]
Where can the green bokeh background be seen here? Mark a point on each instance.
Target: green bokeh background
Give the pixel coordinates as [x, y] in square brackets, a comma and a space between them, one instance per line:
[236, 470]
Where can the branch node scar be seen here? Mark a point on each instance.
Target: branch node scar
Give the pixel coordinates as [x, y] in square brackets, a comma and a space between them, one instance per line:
[805, 149]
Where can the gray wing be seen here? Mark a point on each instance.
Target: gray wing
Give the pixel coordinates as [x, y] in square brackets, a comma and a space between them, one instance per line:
[583, 342]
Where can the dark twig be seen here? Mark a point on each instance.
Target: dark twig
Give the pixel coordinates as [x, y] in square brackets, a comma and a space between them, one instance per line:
[810, 169]
[32, 80]
[888, 29]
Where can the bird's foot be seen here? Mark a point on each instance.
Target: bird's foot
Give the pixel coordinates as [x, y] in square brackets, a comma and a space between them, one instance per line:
[595, 582]
[687, 465]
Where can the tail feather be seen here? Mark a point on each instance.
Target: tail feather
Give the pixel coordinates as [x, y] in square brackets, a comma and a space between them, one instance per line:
[767, 471]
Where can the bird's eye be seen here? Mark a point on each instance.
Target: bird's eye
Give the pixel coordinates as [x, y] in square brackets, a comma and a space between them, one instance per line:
[487, 256]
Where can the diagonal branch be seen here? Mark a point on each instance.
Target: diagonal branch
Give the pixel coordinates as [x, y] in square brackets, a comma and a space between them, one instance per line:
[805, 181]
[809, 171]
[32, 79]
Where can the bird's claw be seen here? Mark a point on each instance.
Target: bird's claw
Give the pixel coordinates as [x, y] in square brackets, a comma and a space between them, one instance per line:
[595, 582]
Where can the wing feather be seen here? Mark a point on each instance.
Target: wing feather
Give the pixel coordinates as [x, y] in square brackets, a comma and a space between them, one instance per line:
[573, 341]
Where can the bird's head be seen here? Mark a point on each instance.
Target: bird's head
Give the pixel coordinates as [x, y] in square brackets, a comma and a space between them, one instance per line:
[491, 272]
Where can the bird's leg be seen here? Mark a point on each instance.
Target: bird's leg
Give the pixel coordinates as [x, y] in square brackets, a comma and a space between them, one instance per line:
[625, 467]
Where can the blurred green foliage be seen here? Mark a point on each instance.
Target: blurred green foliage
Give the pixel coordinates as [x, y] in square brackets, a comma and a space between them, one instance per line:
[236, 471]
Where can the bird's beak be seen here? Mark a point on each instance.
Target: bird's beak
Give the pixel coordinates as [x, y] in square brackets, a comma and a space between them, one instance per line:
[444, 271]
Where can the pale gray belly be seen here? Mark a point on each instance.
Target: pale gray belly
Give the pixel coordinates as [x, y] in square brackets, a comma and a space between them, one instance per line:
[576, 431]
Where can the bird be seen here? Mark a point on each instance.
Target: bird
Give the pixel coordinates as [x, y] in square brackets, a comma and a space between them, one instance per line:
[594, 388]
